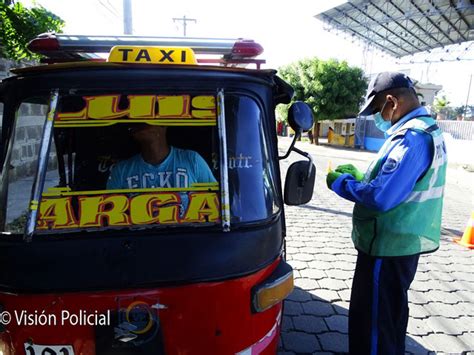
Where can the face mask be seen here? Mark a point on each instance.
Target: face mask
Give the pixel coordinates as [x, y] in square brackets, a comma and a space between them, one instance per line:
[380, 123]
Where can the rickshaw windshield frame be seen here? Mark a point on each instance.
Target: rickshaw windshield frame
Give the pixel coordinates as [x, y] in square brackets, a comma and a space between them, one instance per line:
[53, 117]
[42, 165]
[223, 162]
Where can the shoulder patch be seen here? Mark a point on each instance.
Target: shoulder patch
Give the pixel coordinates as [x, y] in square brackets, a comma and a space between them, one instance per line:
[390, 165]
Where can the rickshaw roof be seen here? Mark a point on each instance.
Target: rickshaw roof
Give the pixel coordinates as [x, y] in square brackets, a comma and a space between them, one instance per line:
[101, 64]
[57, 48]
[194, 56]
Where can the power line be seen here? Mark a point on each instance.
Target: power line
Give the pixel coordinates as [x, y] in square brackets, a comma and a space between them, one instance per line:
[113, 8]
[106, 14]
[184, 20]
[114, 14]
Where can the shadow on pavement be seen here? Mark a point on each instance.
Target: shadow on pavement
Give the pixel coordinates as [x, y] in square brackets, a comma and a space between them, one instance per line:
[328, 210]
[451, 232]
[347, 149]
[312, 325]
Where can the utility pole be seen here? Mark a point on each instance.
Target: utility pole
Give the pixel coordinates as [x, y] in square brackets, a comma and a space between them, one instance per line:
[467, 99]
[184, 19]
[127, 17]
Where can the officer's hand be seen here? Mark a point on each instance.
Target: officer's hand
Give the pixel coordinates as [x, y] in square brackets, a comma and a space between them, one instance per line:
[350, 169]
[331, 177]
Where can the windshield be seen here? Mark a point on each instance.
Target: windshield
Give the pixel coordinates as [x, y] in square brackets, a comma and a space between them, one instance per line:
[136, 160]
[251, 170]
[19, 168]
[123, 160]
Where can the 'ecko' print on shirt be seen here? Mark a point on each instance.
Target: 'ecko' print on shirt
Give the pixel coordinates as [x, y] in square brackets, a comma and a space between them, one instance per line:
[159, 179]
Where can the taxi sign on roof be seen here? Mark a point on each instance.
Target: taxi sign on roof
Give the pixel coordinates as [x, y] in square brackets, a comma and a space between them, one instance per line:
[152, 55]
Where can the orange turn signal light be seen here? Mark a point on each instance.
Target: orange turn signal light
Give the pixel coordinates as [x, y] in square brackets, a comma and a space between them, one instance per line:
[274, 289]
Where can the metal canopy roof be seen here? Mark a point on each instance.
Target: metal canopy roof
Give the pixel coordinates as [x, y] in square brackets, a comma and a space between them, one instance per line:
[404, 27]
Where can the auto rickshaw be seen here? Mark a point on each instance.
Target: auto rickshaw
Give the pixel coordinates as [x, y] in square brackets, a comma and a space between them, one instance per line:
[163, 261]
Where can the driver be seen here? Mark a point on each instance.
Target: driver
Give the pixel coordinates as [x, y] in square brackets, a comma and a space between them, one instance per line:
[158, 165]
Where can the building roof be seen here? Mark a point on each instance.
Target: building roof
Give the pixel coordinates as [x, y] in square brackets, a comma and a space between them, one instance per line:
[404, 27]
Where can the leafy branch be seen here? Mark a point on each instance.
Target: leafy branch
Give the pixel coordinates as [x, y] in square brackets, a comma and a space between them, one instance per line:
[19, 25]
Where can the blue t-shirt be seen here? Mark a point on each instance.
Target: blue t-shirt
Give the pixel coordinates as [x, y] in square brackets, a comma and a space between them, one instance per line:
[181, 168]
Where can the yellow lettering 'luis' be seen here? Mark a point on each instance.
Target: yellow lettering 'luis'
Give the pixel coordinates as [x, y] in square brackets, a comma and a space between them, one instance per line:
[106, 107]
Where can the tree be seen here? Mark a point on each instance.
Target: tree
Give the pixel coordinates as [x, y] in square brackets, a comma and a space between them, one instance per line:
[19, 25]
[440, 103]
[442, 109]
[466, 113]
[331, 88]
[469, 113]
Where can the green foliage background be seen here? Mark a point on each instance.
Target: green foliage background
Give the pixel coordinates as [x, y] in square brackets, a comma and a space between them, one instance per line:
[19, 25]
[333, 89]
[442, 106]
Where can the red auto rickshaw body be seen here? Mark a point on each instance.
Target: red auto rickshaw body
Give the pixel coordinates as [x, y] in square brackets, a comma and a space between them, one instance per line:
[203, 318]
[87, 267]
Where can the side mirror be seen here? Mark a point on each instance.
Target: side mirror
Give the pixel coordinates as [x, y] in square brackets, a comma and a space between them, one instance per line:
[300, 116]
[299, 183]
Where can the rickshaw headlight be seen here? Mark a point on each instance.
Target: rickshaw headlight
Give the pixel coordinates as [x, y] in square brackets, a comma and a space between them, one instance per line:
[274, 289]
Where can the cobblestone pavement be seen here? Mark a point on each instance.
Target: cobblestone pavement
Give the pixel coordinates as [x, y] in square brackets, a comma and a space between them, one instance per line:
[321, 252]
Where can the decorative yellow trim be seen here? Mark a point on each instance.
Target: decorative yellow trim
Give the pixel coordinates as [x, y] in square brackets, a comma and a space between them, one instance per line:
[205, 184]
[181, 122]
[193, 188]
[34, 205]
[59, 189]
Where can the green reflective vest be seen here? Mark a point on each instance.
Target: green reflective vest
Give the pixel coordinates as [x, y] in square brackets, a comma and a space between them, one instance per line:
[414, 226]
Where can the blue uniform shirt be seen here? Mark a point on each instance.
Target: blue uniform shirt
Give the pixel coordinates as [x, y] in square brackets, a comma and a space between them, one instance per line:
[181, 168]
[405, 161]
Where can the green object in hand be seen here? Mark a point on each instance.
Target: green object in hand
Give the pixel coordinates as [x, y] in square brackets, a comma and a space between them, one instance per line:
[331, 177]
[350, 169]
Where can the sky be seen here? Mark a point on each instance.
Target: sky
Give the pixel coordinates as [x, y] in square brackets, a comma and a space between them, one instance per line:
[287, 31]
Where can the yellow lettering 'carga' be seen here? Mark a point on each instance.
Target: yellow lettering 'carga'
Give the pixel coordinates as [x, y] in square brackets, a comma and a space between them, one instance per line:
[121, 210]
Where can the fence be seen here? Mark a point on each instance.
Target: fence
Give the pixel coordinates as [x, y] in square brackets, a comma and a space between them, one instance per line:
[462, 130]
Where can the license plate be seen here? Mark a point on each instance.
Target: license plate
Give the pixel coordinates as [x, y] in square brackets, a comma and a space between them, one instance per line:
[35, 349]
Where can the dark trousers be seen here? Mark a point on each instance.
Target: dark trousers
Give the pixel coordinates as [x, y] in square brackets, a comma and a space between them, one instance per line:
[378, 311]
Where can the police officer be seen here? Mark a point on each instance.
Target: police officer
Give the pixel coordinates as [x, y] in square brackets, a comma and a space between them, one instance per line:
[397, 213]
